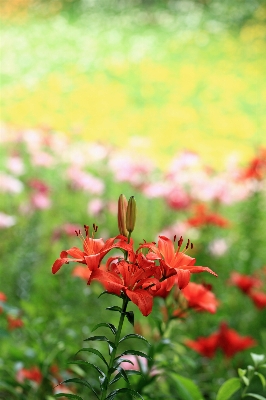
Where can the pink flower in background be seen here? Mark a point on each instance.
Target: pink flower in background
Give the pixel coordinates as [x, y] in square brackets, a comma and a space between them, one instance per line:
[218, 247]
[39, 198]
[85, 181]
[15, 165]
[178, 199]
[127, 168]
[6, 221]
[9, 184]
[157, 189]
[65, 229]
[42, 159]
[95, 206]
[138, 363]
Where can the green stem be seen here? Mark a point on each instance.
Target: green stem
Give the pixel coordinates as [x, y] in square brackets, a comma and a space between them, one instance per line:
[117, 338]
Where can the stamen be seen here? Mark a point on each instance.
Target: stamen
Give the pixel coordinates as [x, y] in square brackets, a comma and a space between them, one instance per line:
[86, 230]
[76, 232]
[174, 238]
[187, 245]
[180, 241]
[191, 246]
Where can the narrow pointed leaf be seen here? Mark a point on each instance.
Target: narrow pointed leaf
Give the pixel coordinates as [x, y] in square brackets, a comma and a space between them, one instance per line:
[133, 336]
[115, 379]
[68, 395]
[228, 389]
[101, 339]
[82, 382]
[114, 308]
[255, 396]
[106, 292]
[132, 392]
[134, 353]
[262, 379]
[130, 317]
[119, 361]
[94, 351]
[81, 362]
[110, 326]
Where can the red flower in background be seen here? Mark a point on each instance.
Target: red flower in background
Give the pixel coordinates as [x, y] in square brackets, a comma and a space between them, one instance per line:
[206, 346]
[258, 298]
[244, 282]
[200, 298]
[257, 167]
[228, 340]
[32, 374]
[3, 298]
[204, 217]
[14, 323]
[231, 342]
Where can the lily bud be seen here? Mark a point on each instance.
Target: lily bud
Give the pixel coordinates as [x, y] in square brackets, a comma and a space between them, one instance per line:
[131, 214]
[121, 215]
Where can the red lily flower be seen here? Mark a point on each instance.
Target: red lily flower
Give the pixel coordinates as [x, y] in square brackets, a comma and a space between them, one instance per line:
[258, 298]
[228, 340]
[204, 217]
[14, 323]
[135, 279]
[244, 282]
[170, 259]
[32, 374]
[200, 298]
[206, 346]
[231, 342]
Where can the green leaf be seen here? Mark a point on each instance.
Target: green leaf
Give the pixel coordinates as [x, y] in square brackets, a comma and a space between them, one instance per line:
[82, 382]
[81, 362]
[119, 361]
[133, 393]
[68, 395]
[110, 326]
[228, 389]
[101, 339]
[94, 351]
[106, 292]
[255, 396]
[257, 359]
[134, 353]
[130, 317]
[187, 389]
[241, 372]
[262, 379]
[133, 336]
[114, 308]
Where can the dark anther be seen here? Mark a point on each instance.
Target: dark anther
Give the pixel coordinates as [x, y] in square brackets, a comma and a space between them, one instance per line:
[174, 238]
[187, 246]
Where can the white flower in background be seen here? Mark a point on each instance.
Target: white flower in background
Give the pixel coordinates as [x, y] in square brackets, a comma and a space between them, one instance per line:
[218, 247]
[6, 220]
[9, 184]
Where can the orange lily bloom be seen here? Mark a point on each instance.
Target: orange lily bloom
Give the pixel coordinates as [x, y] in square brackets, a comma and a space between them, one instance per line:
[170, 258]
[134, 279]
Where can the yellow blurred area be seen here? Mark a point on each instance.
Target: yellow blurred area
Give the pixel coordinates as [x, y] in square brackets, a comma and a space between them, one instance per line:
[212, 108]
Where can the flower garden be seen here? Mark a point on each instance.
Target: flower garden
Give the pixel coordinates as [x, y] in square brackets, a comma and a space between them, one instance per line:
[130, 267]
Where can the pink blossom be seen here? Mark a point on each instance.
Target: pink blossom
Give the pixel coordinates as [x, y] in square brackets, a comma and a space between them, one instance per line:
[40, 201]
[15, 165]
[85, 181]
[42, 159]
[95, 206]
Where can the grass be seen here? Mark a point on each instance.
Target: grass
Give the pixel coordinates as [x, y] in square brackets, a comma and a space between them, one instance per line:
[168, 79]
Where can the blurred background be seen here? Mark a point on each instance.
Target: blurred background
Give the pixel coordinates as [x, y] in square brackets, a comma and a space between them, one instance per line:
[164, 100]
[160, 75]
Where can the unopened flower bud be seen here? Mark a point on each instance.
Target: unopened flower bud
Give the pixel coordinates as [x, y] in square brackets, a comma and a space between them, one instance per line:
[121, 216]
[131, 214]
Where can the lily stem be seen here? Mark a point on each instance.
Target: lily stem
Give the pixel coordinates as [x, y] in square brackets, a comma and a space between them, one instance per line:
[117, 338]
